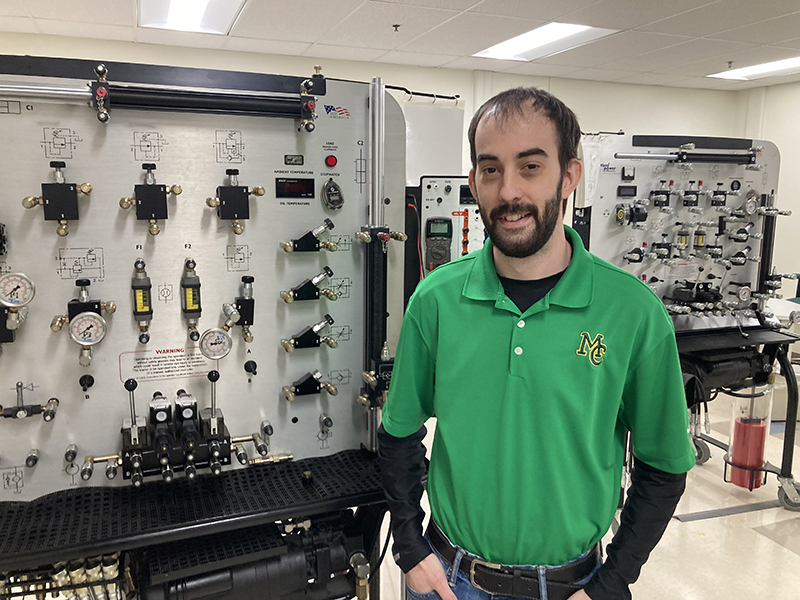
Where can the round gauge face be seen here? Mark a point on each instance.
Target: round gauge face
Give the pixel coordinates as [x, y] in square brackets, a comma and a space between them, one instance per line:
[750, 206]
[87, 328]
[744, 294]
[215, 343]
[16, 289]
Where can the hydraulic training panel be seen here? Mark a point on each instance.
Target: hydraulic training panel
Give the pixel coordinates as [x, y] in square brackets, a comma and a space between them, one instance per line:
[193, 326]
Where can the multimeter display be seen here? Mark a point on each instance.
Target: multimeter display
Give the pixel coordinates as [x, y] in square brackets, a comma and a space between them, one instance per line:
[438, 235]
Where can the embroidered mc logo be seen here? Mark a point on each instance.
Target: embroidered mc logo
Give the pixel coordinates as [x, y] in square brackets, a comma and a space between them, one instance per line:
[595, 348]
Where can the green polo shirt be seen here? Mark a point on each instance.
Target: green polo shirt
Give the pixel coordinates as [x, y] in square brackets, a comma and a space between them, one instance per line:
[532, 407]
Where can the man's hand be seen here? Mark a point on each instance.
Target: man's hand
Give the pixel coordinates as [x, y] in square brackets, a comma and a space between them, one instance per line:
[579, 595]
[429, 575]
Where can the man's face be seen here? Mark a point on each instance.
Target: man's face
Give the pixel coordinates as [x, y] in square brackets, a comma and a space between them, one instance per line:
[518, 182]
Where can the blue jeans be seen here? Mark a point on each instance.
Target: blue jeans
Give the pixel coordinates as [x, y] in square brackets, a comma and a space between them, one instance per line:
[464, 590]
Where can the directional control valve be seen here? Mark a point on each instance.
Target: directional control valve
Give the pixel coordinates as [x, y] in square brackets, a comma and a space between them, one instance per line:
[150, 199]
[87, 326]
[310, 241]
[59, 199]
[310, 383]
[310, 290]
[233, 201]
[310, 337]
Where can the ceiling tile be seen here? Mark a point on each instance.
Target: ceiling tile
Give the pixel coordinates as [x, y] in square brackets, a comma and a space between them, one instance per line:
[371, 26]
[703, 83]
[17, 25]
[546, 10]
[285, 21]
[743, 58]
[795, 43]
[86, 30]
[458, 5]
[263, 46]
[481, 64]
[686, 52]
[469, 33]
[107, 12]
[188, 39]
[651, 79]
[722, 16]
[599, 74]
[13, 8]
[766, 32]
[342, 52]
[627, 14]
[414, 58]
[541, 70]
[615, 47]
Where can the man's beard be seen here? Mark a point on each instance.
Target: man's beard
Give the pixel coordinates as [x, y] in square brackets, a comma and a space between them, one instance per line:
[516, 244]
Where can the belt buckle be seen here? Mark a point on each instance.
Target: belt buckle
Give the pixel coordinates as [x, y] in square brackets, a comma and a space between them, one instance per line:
[478, 561]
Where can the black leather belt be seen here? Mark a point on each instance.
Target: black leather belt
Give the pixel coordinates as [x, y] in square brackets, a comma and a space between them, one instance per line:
[516, 582]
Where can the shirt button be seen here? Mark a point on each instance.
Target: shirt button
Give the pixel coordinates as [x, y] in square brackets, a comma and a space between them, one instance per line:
[520, 324]
[518, 351]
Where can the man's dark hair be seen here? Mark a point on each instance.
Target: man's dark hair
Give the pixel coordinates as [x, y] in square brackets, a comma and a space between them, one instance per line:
[514, 101]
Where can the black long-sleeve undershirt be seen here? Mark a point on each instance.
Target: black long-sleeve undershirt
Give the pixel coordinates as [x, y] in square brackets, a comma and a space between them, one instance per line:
[651, 501]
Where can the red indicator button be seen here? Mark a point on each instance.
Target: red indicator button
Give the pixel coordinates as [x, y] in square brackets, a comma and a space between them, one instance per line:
[331, 160]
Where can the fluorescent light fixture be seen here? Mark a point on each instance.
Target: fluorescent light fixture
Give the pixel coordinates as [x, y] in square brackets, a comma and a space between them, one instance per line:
[202, 16]
[787, 66]
[545, 41]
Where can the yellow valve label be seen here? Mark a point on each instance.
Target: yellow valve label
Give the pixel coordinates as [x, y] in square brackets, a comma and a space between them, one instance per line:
[192, 299]
[142, 298]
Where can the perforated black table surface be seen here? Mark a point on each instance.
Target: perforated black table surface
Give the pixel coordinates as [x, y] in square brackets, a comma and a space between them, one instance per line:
[89, 521]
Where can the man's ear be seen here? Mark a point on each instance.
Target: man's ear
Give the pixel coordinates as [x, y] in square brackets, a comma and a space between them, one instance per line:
[572, 177]
[471, 180]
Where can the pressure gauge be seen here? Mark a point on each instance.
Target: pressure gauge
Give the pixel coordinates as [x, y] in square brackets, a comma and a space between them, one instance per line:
[751, 202]
[16, 290]
[215, 343]
[87, 328]
[744, 293]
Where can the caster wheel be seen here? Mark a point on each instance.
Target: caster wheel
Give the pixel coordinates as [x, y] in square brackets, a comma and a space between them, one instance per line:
[783, 498]
[701, 452]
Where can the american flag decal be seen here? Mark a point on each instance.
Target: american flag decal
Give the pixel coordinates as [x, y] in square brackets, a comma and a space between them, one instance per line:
[338, 111]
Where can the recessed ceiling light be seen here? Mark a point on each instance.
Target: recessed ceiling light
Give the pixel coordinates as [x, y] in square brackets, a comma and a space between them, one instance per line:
[545, 41]
[787, 66]
[203, 16]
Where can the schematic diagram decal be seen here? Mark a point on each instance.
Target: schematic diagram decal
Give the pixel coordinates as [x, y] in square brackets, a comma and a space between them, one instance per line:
[229, 146]
[147, 145]
[86, 263]
[342, 285]
[10, 107]
[165, 292]
[13, 480]
[341, 333]
[361, 170]
[340, 376]
[59, 142]
[238, 258]
[344, 242]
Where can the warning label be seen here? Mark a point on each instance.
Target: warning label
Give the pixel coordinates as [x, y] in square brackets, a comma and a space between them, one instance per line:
[163, 363]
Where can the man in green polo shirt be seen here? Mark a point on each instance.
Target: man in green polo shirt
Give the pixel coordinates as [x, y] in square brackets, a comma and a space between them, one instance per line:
[535, 357]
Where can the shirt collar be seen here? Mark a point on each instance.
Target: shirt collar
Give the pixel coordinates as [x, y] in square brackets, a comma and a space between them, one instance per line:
[574, 289]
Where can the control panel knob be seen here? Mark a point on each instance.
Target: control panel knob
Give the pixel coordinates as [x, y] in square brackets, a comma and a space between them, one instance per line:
[86, 381]
[250, 366]
[130, 384]
[213, 376]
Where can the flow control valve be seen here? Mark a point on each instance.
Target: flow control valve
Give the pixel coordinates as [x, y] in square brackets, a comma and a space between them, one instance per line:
[150, 199]
[21, 410]
[310, 290]
[246, 305]
[190, 298]
[743, 257]
[310, 241]
[87, 327]
[310, 383]
[59, 199]
[310, 337]
[142, 305]
[233, 201]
